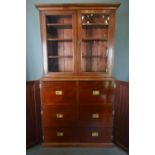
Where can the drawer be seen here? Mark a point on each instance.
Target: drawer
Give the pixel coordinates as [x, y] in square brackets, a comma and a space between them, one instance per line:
[59, 115]
[60, 134]
[95, 134]
[95, 92]
[95, 116]
[59, 93]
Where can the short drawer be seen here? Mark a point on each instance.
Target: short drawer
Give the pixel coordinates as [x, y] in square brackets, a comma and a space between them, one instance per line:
[60, 134]
[95, 92]
[58, 93]
[59, 115]
[95, 116]
[95, 135]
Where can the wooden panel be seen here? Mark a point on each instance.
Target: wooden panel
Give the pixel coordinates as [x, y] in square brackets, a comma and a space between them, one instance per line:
[59, 93]
[33, 117]
[59, 115]
[95, 116]
[77, 144]
[95, 134]
[95, 93]
[121, 123]
[60, 134]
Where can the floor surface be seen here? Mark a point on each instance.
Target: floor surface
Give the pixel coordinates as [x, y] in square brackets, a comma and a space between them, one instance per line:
[39, 150]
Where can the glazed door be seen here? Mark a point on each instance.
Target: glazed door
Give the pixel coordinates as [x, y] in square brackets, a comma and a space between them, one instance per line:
[59, 42]
[95, 41]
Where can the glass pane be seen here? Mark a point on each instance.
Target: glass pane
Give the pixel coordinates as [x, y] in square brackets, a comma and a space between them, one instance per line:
[94, 48]
[61, 19]
[60, 64]
[94, 42]
[59, 43]
[92, 64]
[60, 48]
[94, 32]
[59, 32]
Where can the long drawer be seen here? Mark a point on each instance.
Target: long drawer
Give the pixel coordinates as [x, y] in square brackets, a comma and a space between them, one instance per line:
[59, 93]
[95, 116]
[59, 115]
[60, 134]
[95, 92]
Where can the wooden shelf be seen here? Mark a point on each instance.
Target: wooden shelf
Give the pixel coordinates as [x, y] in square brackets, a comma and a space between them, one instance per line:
[95, 25]
[94, 39]
[94, 56]
[58, 24]
[58, 39]
[69, 56]
[65, 26]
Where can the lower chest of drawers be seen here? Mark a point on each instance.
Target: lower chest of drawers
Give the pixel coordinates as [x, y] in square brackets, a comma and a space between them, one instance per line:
[69, 117]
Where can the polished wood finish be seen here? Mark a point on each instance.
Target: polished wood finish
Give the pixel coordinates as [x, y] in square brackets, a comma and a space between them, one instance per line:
[95, 134]
[60, 134]
[98, 116]
[33, 116]
[76, 144]
[121, 123]
[68, 96]
[105, 92]
[59, 115]
[83, 114]
[44, 7]
[77, 89]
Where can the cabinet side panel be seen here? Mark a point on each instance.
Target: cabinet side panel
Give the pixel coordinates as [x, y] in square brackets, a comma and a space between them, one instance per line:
[33, 117]
[121, 122]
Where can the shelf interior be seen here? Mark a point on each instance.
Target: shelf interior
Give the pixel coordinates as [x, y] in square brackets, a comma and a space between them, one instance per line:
[59, 19]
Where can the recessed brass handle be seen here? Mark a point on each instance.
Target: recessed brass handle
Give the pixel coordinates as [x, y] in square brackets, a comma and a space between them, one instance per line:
[96, 92]
[60, 134]
[95, 115]
[94, 134]
[59, 115]
[58, 92]
[114, 85]
[106, 84]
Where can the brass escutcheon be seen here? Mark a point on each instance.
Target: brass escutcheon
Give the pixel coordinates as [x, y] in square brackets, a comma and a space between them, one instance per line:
[58, 92]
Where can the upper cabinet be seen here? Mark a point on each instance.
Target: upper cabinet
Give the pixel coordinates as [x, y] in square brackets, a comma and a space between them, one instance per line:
[78, 40]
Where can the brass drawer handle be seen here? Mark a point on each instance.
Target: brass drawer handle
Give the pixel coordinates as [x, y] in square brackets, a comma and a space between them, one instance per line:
[95, 115]
[106, 84]
[58, 92]
[59, 115]
[60, 134]
[114, 85]
[96, 92]
[94, 134]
